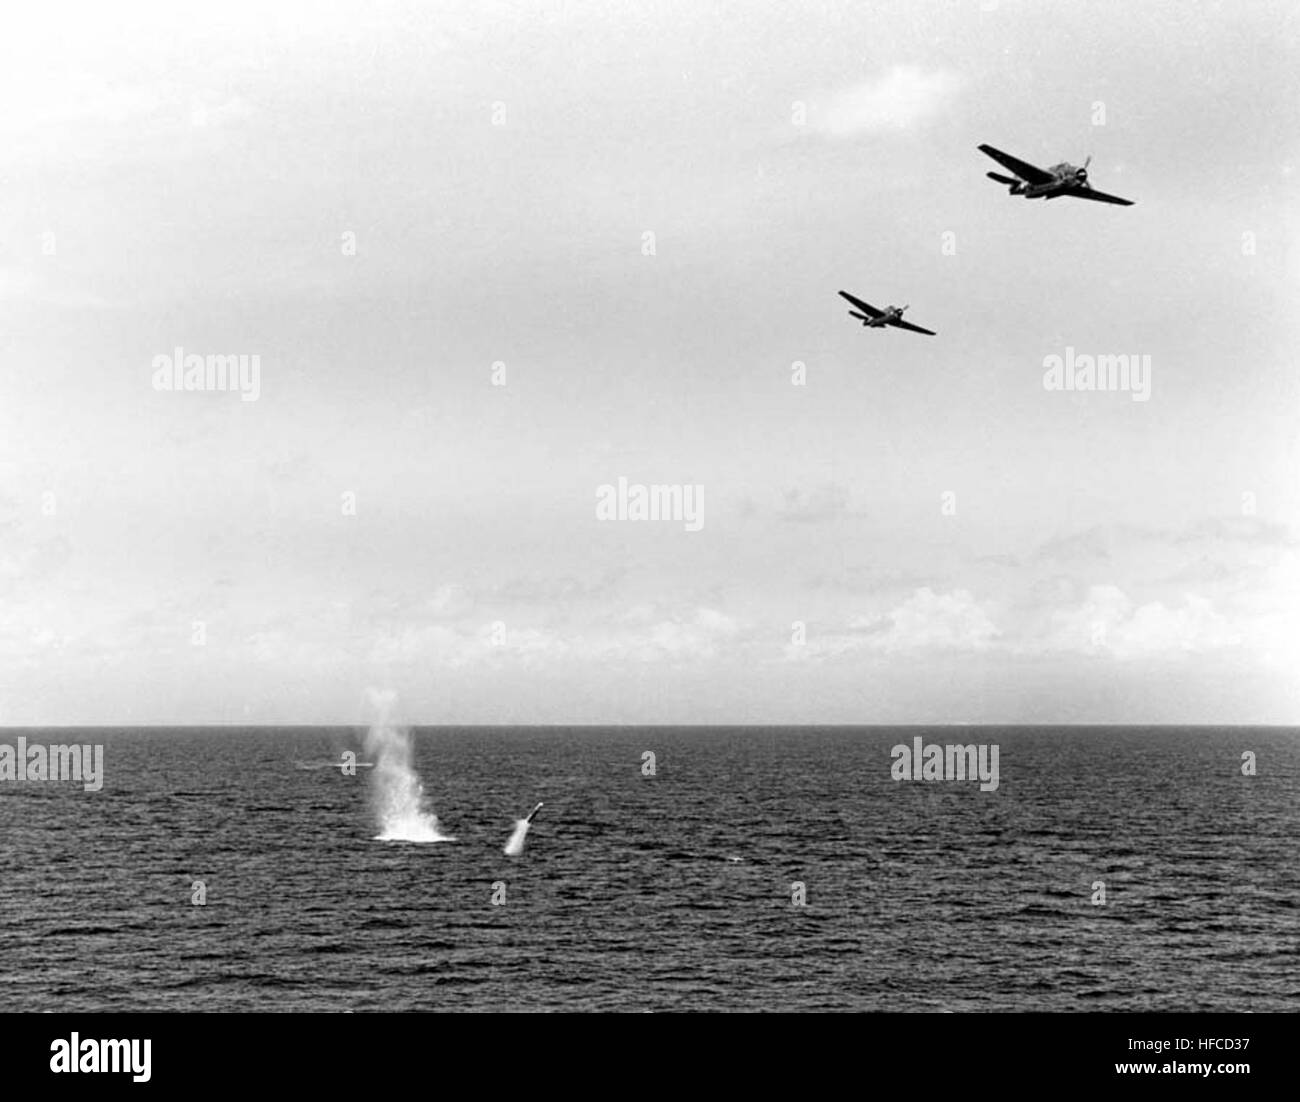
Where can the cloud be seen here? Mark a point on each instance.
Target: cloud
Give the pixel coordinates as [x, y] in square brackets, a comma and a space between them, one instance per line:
[642, 633]
[1221, 538]
[1058, 617]
[1108, 622]
[904, 97]
[1226, 582]
[697, 637]
[924, 621]
[933, 620]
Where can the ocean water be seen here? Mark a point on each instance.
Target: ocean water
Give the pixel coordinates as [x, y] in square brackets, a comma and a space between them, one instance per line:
[664, 893]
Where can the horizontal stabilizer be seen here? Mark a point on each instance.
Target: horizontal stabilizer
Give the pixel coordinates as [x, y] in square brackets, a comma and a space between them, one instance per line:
[1001, 179]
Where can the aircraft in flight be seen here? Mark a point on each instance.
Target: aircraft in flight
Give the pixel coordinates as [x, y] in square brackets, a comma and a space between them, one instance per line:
[878, 319]
[1048, 183]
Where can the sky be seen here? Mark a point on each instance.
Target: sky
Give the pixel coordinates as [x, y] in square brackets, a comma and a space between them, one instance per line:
[491, 258]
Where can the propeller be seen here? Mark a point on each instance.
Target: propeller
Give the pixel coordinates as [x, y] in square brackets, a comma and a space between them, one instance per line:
[1082, 174]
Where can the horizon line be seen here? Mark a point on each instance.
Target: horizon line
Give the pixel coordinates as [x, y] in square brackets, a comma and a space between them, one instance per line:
[614, 726]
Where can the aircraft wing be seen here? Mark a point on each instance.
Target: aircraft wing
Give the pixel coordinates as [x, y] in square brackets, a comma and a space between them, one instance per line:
[914, 328]
[1024, 170]
[866, 308]
[1099, 196]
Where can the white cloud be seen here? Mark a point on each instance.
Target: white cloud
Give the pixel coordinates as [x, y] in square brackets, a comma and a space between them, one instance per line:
[926, 620]
[904, 97]
[697, 637]
[645, 634]
[1107, 622]
[1269, 614]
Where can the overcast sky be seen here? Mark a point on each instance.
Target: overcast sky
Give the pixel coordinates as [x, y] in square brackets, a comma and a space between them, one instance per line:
[382, 202]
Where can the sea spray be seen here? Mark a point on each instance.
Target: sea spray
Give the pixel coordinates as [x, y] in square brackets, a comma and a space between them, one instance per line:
[515, 846]
[401, 808]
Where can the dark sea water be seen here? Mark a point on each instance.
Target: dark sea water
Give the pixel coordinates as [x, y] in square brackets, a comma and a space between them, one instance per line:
[671, 892]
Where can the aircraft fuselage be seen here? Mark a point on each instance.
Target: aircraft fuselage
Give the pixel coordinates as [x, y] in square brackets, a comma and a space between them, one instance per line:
[1065, 177]
[891, 314]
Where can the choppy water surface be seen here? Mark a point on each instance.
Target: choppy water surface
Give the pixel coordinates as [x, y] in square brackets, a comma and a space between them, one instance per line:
[671, 892]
